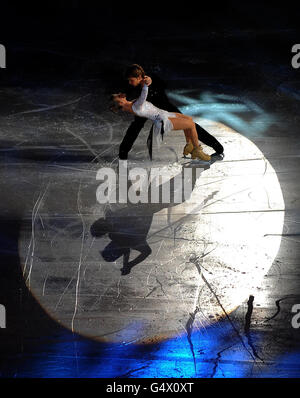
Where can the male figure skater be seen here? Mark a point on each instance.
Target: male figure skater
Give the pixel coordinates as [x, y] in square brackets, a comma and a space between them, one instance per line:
[156, 95]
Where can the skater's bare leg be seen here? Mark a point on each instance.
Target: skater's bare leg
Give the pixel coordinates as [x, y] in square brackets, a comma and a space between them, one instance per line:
[181, 115]
[186, 123]
[188, 149]
[187, 136]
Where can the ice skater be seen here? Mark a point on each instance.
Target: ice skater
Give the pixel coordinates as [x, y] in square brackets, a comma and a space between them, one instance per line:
[135, 75]
[163, 121]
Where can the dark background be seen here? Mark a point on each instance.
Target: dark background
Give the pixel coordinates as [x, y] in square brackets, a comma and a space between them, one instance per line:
[100, 37]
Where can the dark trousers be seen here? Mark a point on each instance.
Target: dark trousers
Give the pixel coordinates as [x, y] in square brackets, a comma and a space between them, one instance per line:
[139, 122]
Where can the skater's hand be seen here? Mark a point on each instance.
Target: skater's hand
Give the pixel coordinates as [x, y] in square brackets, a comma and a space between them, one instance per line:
[147, 80]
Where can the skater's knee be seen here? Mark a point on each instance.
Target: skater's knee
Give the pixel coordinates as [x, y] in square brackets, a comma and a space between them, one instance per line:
[187, 117]
[191, 122]
[146, 249]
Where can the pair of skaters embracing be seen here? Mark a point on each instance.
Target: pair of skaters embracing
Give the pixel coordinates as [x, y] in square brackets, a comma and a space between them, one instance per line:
[152, 103]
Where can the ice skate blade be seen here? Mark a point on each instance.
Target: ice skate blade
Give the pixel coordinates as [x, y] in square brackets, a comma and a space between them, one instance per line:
[200, 161]
[197, 160]
[216, 158]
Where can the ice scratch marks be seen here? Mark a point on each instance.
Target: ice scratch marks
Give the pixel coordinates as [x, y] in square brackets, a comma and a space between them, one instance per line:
[277, 303]
[130, 372]
[159, 248]
[50, 107]
[218, 359]
[229, 196]
[189, 328]
[42, 223]
[264, 186]
[108, 126]
[195, 261]
[80, 259]
[82, 140]
[247, 326]
[190, 322]
[66, 288]
[31, 246]
[99, 299]
[118, 288]
[161, 286]
[44, 284]
[72, 168]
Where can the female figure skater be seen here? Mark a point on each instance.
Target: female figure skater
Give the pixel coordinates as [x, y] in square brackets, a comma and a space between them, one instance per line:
[163, 121]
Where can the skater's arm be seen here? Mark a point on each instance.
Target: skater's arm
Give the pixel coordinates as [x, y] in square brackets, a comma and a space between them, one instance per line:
[142, 98]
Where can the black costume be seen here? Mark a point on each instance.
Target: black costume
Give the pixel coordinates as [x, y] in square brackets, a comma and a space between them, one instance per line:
[157, 97]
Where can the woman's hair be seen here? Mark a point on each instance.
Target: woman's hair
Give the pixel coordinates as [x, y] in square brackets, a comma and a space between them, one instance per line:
[113, 106]
[134, 70]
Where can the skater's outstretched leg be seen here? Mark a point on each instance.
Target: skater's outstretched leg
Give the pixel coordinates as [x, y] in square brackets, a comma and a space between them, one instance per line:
[188, 149]
[204, 137]
[209, 140]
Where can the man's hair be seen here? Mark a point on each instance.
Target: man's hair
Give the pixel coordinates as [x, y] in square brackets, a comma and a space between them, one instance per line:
[134, 70]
